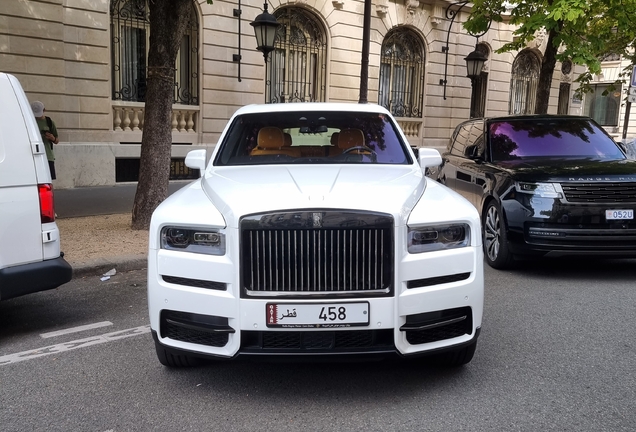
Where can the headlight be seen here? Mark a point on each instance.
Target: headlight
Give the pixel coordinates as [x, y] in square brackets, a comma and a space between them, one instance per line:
[211, 242]
[543, 190]
[433, 238]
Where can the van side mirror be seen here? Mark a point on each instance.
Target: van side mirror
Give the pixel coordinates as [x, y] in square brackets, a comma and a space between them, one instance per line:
[195, 159]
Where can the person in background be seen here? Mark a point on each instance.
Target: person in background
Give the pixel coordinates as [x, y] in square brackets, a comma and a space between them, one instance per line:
[48, 131]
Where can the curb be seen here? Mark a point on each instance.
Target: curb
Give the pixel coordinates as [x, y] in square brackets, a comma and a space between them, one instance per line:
[99, 266]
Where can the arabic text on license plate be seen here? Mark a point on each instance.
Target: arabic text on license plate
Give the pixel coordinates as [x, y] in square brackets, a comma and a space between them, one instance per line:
[619, 214]
[317, 315]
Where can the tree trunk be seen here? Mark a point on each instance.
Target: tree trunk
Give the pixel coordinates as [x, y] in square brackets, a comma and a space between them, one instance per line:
[545, 76]
[168, 20]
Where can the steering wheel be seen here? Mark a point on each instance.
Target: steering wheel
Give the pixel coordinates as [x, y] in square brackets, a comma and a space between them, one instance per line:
[360, 148]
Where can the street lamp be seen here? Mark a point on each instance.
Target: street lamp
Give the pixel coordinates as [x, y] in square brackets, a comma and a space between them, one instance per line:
[265, 26]
[474, 65]
[451, 14]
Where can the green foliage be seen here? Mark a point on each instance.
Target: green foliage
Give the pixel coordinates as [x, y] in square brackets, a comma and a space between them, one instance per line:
[584, 31]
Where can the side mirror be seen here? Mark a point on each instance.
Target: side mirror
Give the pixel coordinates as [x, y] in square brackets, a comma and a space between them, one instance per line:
[622, 146]
[472, 152]
[429, 158]
[195, 159]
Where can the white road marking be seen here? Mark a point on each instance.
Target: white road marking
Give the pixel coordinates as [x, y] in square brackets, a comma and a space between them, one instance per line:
[76, 329]
[72, 345]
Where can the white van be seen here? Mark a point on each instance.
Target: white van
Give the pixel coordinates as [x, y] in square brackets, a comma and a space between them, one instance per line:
[30, 257]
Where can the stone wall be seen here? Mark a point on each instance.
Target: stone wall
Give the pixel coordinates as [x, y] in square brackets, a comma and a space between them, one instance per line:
[61, 52]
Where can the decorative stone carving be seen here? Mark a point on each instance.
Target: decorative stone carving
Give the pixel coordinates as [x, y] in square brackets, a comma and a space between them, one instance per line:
[382, 8]
[438, 15]
[338, 4]
[540, 40]
[412, 5]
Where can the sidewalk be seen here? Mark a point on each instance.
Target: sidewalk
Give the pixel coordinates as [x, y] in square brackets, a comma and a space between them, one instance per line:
[94, 224]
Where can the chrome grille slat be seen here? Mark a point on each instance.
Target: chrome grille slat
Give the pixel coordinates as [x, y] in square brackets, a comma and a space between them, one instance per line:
[347, 257]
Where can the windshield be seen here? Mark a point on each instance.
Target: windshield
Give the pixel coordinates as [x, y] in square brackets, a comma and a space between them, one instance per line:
[330, 137]
[537, 137]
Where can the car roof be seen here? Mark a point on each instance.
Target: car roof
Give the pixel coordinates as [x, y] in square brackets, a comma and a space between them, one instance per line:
[535, 117]
[312, 106]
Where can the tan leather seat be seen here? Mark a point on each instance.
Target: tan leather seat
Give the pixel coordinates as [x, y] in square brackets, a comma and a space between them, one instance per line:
[287, 146]
[349, 138]
[287, 139]
[270, 141]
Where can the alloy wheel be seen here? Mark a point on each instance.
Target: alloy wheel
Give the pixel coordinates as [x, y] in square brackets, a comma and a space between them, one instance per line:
[492, 233]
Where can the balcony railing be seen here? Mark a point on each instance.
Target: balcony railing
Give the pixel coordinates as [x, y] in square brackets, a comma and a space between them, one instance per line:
[129, 117]
[412, 127]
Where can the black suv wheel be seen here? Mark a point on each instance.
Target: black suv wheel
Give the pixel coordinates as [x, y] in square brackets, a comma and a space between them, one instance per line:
[495, 239]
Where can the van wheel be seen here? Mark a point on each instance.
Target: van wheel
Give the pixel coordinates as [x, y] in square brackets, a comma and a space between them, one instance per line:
[495, 238]
[173, 360]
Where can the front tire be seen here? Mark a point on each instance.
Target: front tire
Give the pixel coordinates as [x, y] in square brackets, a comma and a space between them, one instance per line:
[495, 238]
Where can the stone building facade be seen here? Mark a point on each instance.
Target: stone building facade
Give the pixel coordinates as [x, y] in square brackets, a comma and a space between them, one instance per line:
[85, 59]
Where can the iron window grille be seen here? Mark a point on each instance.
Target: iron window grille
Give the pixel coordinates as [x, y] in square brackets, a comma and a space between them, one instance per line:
[524, 83]
[480, 87]
[298, 70]
[564, 99]
[130, 33]
[402, 73]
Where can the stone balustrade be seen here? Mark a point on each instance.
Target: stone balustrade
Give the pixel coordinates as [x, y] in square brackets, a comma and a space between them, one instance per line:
[129, 116]
[411, 127]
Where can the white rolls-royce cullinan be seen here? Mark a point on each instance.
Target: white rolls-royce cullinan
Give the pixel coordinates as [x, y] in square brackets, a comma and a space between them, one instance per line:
[313, 231]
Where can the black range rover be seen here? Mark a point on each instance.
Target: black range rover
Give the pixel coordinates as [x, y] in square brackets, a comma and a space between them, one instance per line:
[545, 185]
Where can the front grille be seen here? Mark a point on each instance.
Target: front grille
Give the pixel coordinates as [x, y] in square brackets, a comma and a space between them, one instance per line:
[317, 252]
[599, 192]
[317, 341]
[435, 326]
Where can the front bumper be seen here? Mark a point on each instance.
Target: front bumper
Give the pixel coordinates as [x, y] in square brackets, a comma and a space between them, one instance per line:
[542, 226]
[437, 305]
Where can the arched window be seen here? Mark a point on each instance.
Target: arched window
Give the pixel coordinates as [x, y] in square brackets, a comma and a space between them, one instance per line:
[524, 82]
[402, 73]
[130, 33]
[298, 68]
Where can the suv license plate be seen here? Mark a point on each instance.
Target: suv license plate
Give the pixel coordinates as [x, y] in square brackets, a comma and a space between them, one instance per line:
[619, 214]
[317, 315]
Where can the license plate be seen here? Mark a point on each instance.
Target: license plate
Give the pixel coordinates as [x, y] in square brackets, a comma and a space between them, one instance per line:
[317, 315]
[619, 214]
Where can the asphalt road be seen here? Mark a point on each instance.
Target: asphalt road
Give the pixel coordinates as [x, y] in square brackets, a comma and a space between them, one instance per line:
[557, 353]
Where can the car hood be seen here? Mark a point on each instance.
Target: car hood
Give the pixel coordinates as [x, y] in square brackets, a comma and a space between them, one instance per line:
[238, 191]
[571, 170]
